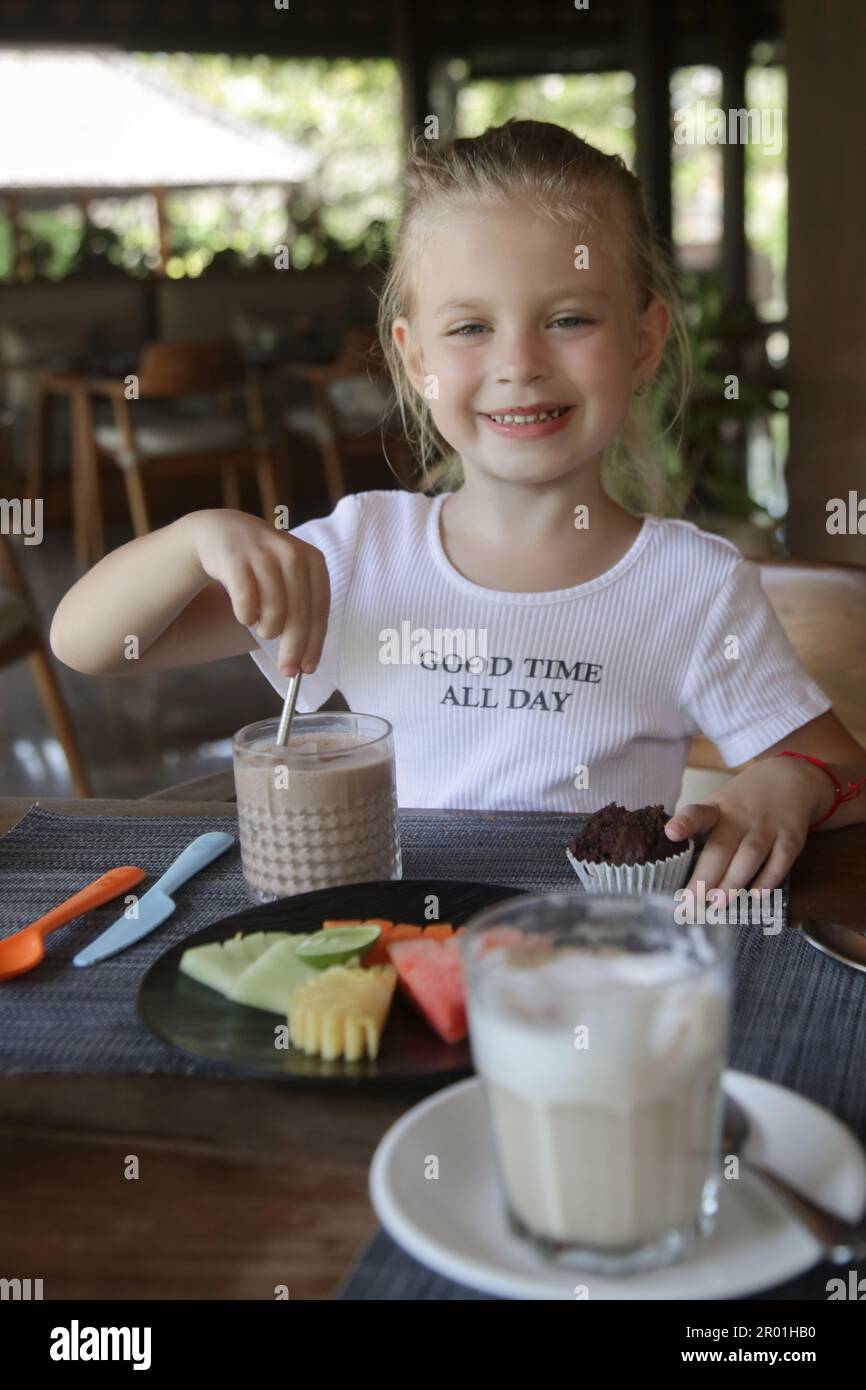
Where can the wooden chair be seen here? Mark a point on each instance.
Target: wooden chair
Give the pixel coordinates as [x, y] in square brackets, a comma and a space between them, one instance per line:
[823, 611]
[349, 398]
[21, 636]
[183, 443]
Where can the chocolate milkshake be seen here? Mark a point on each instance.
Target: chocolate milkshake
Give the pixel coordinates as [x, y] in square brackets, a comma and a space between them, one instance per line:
[320, 810]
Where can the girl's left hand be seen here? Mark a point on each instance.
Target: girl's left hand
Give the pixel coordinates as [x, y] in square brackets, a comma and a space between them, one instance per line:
[761, 814]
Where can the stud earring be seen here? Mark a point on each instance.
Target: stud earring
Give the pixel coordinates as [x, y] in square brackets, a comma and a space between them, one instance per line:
[640, 388]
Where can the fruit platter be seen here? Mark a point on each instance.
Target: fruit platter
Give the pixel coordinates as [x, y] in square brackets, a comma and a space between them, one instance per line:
[360, 983]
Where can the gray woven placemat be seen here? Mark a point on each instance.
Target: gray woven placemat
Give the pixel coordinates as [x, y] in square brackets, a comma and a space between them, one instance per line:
[59, 1019]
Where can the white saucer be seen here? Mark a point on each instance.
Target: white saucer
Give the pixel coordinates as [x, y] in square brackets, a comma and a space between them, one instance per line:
[455, 1224]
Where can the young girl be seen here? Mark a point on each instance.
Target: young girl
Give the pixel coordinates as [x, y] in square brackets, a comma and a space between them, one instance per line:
[542, 634]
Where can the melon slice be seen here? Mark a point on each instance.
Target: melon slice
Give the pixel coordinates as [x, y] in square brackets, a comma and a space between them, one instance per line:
[430, 974]
[269, 982]
[219, 963]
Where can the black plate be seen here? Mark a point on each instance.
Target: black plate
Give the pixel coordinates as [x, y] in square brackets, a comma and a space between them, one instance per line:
[200, 1021]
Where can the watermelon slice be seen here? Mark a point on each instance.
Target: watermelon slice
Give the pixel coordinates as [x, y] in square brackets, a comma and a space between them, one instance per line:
[430, 974]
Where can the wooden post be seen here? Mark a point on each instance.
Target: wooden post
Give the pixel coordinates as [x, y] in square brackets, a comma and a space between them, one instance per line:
[734, 259]
[83, 201]
[412, 61]
[735, 56]
[162, 229]
[443, 95]
[18, 258]
[825, 48]
[649, 43]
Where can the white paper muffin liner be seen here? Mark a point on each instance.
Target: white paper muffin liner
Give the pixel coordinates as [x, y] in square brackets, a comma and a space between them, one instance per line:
[662, 876]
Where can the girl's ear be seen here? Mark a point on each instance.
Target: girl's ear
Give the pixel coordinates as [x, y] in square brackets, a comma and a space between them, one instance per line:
[401, 332]
[653, 326]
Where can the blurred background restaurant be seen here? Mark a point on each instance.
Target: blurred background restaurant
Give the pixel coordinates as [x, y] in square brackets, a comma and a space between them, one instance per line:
[200, 196]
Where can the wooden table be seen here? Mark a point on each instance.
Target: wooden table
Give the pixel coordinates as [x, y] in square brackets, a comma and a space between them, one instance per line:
[244, 1184]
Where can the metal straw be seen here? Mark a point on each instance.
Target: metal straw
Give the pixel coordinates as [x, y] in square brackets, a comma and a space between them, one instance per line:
[288, 709]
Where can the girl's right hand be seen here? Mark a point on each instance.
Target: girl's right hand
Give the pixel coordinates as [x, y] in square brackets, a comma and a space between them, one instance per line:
[276, 582]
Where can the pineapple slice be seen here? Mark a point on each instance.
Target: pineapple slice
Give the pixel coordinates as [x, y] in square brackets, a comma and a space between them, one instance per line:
[342, 1011]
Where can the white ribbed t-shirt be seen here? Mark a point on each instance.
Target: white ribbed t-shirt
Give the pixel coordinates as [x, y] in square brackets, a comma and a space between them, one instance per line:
[563, 700]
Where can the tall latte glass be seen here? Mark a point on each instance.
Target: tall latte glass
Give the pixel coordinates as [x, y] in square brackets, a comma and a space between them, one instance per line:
[599, 1027]
[320, 810]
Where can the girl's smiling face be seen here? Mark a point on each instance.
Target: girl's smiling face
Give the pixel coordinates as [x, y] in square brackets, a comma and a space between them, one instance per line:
[504, 320]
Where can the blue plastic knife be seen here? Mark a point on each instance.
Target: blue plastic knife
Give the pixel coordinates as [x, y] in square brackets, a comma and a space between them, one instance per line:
[157, 903]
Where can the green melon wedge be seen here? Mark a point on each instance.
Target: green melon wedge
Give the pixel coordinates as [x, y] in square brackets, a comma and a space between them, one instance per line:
[268, 983]
[220, 964]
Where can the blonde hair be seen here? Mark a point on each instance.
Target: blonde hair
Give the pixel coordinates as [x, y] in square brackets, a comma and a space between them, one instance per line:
[565, 178]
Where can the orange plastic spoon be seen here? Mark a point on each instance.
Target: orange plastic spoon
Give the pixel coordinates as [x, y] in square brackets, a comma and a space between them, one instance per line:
[25, 948]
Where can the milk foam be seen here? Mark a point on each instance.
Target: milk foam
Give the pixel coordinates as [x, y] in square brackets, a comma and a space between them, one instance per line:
[650, 1018]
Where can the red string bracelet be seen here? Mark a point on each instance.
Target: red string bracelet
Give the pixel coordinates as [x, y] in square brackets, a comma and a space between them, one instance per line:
[853, 787]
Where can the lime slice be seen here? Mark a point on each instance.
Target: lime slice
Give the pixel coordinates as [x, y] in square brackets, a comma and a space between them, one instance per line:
[335, 945]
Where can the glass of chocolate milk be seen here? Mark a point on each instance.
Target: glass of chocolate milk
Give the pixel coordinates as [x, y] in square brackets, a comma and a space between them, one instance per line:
[599, 1027]
[320, 810]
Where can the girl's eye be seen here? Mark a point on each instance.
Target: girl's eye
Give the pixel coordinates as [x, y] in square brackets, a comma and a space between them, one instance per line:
[465, 329]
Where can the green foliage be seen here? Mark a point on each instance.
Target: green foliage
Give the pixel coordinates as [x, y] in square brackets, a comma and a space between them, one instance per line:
[596, 106]
[708, 463]
[346, 113]
[50, 241]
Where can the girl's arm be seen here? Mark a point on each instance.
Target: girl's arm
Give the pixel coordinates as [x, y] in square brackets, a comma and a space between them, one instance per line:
[827, 738]
[187, 592]
[138, 590]
[758, 821]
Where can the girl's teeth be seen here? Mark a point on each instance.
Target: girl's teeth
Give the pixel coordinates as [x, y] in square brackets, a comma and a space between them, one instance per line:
[530, 419]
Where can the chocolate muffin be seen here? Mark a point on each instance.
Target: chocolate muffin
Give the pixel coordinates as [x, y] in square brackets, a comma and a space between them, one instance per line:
[614, 835]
